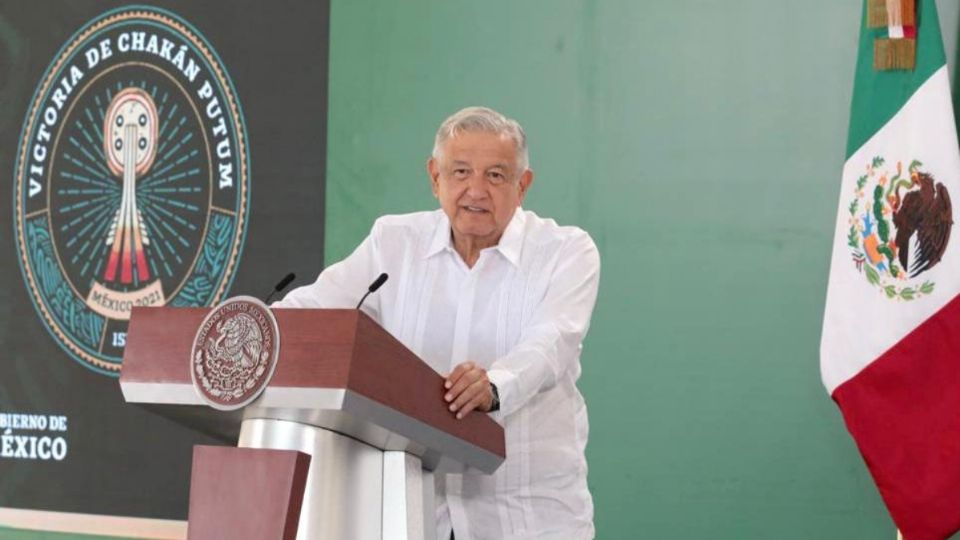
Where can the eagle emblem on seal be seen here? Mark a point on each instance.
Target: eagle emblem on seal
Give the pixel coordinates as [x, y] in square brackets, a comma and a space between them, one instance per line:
[238, 346]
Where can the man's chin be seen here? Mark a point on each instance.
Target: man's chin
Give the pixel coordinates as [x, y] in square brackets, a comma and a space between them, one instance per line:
[470, 228]
[475, 220]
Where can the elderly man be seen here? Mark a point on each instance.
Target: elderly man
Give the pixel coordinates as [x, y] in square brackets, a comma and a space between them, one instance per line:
[499, 299]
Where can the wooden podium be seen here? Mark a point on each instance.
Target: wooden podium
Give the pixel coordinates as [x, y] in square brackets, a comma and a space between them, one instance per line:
[369, 413]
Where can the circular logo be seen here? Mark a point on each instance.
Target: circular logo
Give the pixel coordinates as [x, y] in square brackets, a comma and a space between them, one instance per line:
[132, 180]
[234, 353]
[899, 227]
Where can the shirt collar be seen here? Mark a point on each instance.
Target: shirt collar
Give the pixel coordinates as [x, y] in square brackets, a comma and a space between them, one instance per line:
[441, 236]
[510, 245]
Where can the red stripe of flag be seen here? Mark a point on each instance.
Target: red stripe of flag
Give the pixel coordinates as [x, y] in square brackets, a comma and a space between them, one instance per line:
[904, 412]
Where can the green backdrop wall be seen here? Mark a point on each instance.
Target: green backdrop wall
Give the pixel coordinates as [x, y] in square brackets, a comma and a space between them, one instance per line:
[701, 144]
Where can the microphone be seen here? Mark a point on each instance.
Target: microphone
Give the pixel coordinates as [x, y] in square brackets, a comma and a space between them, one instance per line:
[280, 286]
[377, 283]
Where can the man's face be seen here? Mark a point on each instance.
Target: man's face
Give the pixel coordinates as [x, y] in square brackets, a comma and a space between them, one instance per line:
[477, 181]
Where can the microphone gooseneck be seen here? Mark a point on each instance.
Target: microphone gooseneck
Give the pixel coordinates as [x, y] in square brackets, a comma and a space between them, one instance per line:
[377, 283]
[281, 285]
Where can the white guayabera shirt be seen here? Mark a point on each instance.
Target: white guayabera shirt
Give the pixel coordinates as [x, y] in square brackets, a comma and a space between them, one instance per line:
[521, 313]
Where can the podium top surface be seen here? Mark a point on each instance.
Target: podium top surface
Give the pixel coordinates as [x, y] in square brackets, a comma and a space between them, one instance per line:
[337, 369]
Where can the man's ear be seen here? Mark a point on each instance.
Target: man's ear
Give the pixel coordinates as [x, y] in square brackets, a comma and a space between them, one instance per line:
[526, 180]
[433, 170]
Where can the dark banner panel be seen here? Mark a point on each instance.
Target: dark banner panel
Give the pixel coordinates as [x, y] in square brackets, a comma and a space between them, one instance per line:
[164, 154]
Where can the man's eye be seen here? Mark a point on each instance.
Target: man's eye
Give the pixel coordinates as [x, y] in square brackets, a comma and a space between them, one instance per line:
[460, 172]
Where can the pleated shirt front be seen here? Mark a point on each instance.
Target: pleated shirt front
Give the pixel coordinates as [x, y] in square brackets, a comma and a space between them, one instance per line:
[521, 312]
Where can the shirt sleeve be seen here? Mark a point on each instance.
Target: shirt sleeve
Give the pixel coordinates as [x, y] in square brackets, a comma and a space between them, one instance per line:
[343, 284]
[550, 345]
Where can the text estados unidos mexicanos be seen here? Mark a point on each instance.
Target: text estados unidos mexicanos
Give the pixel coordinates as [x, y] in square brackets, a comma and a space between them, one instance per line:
[42, 447]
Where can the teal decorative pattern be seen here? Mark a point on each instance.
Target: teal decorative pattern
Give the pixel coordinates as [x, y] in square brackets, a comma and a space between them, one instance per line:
[210, 265]
[70, 311]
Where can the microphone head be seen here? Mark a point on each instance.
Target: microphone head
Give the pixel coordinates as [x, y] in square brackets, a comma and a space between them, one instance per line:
[381, 279]
[285, 281]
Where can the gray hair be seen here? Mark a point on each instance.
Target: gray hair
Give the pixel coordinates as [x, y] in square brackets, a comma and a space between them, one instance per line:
[483, 119]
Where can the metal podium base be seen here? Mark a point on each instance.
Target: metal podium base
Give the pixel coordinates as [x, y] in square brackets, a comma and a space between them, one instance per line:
[354, 491]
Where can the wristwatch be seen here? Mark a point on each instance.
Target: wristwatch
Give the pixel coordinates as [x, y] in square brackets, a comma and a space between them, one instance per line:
[495, 404]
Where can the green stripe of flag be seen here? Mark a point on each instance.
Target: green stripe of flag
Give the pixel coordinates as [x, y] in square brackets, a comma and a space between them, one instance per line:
[878, 95]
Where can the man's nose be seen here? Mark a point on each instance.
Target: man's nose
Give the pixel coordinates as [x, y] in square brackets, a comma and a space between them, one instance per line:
[477, 185]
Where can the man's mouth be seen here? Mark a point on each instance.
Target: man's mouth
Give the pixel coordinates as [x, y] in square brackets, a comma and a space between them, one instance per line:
[474, 209]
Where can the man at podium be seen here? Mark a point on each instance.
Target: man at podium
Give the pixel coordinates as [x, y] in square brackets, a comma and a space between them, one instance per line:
[499, 300]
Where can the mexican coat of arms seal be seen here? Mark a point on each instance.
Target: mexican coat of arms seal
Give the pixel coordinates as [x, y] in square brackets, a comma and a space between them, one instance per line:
[235, 353]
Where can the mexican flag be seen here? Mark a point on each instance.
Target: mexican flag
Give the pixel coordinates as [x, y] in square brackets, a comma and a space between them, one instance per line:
[890, 349]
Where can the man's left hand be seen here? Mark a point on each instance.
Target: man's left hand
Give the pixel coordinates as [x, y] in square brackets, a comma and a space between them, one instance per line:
[468, 388]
